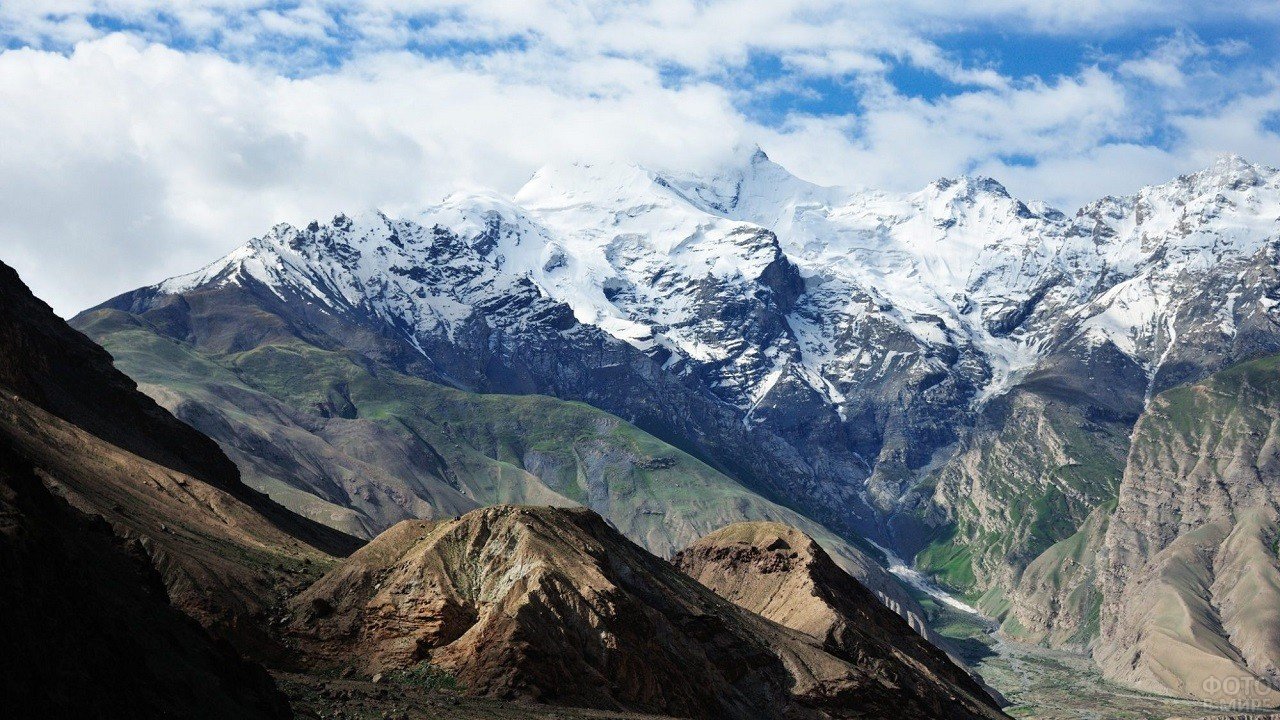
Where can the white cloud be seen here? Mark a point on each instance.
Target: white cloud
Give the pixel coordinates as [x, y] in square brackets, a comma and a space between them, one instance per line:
[123, 161]
[135, 161]
[699, 34]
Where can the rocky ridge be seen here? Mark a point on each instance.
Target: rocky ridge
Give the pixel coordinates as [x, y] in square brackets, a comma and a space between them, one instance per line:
[552, 604]
[781, 574]
[953, 372]
[122, 533]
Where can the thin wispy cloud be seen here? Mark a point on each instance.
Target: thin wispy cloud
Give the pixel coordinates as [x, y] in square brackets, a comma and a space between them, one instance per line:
[143, 138]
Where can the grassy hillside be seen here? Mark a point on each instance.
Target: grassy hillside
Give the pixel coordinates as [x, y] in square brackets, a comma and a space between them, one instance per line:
[360, 447]
[1028, 478]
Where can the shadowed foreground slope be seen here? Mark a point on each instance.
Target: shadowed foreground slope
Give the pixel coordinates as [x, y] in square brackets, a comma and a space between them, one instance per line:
[88, 629]
[224, 551]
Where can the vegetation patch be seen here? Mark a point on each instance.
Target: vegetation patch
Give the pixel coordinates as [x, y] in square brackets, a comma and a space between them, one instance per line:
[949, 563]
[427, 676]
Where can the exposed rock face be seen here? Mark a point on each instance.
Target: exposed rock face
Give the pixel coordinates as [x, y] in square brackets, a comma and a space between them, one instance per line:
[1172, 283]
[1027, 476]
[1188, 572]
[351, 442]
[780, 573]
[555, 605]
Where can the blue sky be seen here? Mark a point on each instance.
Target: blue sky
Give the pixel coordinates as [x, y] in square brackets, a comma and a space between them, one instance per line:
[143, 138]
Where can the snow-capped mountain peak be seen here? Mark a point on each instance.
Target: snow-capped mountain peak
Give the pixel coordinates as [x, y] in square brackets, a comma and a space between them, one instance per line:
[884, 319]
[1235, 171]
[748, 274]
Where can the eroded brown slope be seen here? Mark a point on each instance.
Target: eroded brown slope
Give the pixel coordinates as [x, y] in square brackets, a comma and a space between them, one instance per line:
[782, 574]
[225, 552]
[1188, 571]
[554, 605]
[87, 628]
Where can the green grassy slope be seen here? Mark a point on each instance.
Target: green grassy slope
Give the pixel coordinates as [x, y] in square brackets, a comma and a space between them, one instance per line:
[361, 447]
[1028, 478]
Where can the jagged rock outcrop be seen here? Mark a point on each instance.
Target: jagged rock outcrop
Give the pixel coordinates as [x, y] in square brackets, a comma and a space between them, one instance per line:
[553, 604]
[781, 574]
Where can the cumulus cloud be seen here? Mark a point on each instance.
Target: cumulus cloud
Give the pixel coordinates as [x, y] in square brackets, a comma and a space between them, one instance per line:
[137, 161]
[143, 139]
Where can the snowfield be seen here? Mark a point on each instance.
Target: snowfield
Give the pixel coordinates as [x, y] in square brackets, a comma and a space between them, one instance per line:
[857, 284]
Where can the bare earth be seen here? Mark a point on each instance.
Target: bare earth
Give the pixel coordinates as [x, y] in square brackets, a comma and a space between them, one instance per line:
[1045, 684]
[350, 699]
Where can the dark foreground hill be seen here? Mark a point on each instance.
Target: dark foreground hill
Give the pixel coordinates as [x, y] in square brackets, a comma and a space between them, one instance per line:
[114, 518]
[223, 551]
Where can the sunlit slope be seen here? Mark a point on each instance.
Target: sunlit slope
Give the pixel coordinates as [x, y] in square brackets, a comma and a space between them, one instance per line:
[361, 447]
[1189, 574]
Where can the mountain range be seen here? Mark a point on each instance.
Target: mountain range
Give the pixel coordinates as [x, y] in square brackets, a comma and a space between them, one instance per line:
[951, 375]
[144, 579]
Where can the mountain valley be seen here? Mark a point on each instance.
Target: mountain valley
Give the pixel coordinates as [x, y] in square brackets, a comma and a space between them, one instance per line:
[145, 579]
[1062, 420]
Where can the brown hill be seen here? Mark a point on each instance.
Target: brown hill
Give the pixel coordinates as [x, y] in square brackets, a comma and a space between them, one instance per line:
[88, 630]
[780, 573]
[552, 604]
[225, 552]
